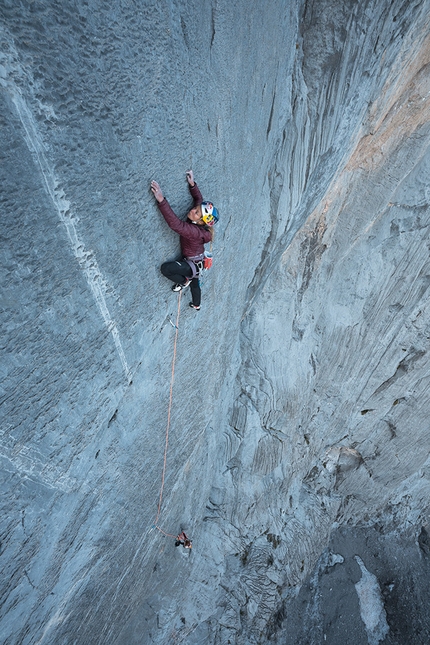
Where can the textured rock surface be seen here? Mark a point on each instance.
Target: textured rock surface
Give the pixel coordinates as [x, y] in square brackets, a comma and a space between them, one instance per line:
[328, 607]
[300, 417]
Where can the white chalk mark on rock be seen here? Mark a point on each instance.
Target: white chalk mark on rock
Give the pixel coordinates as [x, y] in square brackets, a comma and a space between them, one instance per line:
[10, 69]
[371, 606]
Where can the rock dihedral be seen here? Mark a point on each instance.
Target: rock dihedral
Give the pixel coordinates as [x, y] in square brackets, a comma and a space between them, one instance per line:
[300, 403]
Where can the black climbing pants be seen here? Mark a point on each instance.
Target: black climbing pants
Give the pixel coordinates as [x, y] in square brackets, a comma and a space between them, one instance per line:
[177, 272]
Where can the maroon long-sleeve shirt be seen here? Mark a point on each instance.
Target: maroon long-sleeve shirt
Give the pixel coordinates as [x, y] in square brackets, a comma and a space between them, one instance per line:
[192, 237]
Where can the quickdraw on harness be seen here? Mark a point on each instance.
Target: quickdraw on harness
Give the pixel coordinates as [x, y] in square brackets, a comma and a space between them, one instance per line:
[200, 263]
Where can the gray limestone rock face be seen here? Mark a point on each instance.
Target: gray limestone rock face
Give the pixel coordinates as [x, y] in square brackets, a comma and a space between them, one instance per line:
[347, 600]
[285, 426]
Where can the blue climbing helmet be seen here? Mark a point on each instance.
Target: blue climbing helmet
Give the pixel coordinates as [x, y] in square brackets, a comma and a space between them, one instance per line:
[209, 213]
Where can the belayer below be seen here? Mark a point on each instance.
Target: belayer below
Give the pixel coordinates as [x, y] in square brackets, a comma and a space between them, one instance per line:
[184, 540]
[194, 233]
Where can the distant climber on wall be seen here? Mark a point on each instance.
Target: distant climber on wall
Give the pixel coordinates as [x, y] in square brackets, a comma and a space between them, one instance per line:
[194, 233]
[184, 540]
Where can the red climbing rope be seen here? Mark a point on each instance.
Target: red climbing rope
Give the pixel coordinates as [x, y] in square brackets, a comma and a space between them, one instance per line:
[168, 420]
[164, 532]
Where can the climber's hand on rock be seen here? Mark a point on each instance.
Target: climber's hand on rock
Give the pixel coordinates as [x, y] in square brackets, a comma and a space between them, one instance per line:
[190, 177]
[157, 191]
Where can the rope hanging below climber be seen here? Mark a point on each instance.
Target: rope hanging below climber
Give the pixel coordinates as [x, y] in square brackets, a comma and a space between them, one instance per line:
[182, 538]
[169, 414]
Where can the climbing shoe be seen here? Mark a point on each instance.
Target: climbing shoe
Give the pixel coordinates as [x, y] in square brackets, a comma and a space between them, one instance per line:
[197, 308]
[179, 287]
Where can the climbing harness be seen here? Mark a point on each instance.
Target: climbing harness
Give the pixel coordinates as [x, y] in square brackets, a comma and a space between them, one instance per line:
[196, 264]
[200, 263]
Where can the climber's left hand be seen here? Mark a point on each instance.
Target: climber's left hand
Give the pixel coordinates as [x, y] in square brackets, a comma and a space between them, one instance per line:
[190, 177]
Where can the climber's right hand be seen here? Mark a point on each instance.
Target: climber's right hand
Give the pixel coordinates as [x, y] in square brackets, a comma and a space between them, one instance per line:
[157, 191]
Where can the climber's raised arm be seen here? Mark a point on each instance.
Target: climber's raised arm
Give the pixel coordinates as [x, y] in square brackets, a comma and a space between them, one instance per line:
[155, 187]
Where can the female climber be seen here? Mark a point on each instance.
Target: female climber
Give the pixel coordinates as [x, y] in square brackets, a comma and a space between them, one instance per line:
[194, 233]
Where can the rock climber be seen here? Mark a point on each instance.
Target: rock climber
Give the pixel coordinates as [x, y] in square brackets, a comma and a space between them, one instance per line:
[194, 233]
[184, 540]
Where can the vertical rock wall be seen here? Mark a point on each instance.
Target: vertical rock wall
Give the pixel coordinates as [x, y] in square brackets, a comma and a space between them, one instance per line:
[300, 399]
